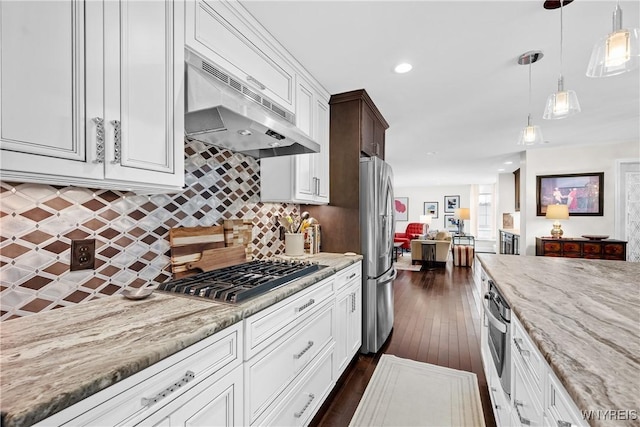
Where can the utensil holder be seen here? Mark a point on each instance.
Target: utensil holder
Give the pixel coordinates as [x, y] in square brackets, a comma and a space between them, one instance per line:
[294, 244]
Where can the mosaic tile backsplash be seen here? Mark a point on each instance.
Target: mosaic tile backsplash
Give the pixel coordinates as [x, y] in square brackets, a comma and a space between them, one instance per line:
[38, 222]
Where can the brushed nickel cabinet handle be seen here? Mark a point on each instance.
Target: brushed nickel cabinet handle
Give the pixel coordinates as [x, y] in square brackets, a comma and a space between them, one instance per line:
[150, 401]
[353, 302]
[517, 404]
[304, 350]
[116, 142]
[99, 121]
[299, 414]
[303, 306]
[256, 82]
[523, 352]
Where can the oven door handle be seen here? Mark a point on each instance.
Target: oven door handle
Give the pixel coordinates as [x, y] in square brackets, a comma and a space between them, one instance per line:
[497, 323]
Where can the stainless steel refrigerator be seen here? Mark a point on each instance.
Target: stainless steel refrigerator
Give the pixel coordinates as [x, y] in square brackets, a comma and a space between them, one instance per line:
[377, 224]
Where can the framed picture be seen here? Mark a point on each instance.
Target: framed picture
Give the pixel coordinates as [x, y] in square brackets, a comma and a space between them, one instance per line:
[431, 208]
[401, 208]
[451, 203]
[448, 224]
[582, 192]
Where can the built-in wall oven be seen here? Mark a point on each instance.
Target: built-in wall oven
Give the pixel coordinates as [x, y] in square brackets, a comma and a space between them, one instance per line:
[498, 315]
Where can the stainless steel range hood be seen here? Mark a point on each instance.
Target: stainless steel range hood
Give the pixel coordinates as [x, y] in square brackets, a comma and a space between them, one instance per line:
[224, 112]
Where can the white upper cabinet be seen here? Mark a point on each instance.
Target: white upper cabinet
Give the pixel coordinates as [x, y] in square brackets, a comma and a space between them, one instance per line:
[92, 94]
[224, 33]
[303, 178]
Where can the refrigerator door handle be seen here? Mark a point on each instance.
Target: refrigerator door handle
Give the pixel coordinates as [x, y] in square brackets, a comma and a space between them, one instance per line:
[389, 276]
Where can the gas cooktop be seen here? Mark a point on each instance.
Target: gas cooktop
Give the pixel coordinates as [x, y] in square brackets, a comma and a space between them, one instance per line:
[240, 282]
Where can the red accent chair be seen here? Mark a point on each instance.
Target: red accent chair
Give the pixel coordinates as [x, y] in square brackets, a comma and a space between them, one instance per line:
[414, 231]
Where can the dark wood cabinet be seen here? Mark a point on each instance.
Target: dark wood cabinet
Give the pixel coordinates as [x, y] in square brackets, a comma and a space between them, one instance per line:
[357, 130]
[582, 248]
[372, 125]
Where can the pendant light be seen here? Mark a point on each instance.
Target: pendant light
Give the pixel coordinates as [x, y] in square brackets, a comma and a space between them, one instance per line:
[616, 53]
[530, 134]
[563, 103]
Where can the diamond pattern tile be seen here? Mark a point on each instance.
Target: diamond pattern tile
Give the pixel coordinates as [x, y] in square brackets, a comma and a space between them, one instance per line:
[38, 222]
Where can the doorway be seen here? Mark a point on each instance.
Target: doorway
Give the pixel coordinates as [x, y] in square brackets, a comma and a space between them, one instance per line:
[627, 222]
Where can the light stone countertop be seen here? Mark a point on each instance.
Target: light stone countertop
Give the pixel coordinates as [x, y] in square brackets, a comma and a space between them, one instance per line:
[51, 360]
[584, 317]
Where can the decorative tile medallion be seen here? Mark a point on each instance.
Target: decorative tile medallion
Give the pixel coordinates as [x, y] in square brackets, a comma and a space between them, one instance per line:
[38, 222]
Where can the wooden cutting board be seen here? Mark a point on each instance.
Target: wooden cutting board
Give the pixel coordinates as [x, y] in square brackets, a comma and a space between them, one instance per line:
[218, 258]
[188, 243]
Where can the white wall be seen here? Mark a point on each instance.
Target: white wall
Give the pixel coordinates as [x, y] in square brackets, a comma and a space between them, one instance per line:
[551, 161]
[418, 195]
[505, 195]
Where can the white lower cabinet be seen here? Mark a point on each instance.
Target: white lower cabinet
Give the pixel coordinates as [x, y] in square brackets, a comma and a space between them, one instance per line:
[167, 386]
[348, 332]
[537, 397]
[306, 395]
[269, 373]
[211, 403]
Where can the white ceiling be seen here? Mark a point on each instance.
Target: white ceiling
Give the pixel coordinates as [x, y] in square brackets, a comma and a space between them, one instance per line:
[466, 97]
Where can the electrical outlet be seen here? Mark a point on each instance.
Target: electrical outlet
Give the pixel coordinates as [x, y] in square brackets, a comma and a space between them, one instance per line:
[83, 254]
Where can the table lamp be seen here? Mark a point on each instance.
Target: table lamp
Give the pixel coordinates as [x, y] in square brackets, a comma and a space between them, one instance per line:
[460, 215]
[557, 212]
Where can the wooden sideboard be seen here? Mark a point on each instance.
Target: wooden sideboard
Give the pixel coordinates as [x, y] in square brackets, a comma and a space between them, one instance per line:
[582, 248]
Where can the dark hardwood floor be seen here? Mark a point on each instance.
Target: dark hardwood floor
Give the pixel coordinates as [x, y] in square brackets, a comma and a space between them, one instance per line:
[436, 321]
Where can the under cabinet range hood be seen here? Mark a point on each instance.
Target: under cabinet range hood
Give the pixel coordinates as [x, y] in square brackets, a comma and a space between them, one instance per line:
[225, 112]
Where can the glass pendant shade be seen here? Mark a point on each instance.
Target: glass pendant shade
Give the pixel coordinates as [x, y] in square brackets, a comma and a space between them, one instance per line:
[617, 53]
[563, 103]
[530, 134]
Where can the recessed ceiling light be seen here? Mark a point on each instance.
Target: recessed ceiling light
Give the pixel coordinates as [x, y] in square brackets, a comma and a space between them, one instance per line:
[403, 68]
[508, 162]
[501, 170]
[431, 153]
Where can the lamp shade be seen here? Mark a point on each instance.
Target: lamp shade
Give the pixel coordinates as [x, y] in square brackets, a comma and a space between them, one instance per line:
[618, 52]
[425, 219]
[462, 213]
[557, 212]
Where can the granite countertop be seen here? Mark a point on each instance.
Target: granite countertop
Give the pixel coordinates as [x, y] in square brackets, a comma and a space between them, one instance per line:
[584, 317]
[51, 360]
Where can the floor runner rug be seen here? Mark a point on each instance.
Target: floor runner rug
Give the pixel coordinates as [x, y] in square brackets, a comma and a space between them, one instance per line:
[404, 392]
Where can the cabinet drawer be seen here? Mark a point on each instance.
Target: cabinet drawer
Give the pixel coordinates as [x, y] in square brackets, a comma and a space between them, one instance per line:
[571, 247]
[142, 394]
[270, 373]
[225, 35]
[526, 398]
[551, 247]
[591, 248]
[302, 402]
[343, 277]
[528, 355]
[560, 410]
[265, 327]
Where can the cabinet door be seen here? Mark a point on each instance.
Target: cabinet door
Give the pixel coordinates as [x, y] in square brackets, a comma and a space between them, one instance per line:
[378, 139]
[226, 34]
[304, 163]
[215, 403]
[367, 142]
[143, 71]
[322, 158]
[45, 121]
